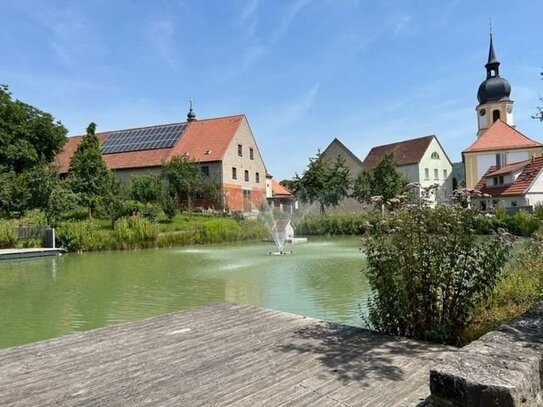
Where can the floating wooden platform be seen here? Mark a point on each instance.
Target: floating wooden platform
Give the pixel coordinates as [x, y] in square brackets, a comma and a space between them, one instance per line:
[220, 355]
[11, 254]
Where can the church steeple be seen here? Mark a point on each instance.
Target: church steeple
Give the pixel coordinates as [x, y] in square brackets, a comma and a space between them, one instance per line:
[492, 66]
[191, 116]
[493, 94]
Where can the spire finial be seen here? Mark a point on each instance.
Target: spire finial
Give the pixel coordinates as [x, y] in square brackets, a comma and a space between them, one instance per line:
[191, 115]
[490, 26]
[492, 66]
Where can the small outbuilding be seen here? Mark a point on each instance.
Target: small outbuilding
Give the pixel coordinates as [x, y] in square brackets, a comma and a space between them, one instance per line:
[284, 230]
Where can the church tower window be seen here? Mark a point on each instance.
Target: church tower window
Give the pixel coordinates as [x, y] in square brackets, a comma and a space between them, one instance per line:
[495, 115]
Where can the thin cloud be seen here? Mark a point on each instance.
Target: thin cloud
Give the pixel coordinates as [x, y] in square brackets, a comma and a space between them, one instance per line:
[161, 34]
[288, 17]
[295, 110]
[250, 10]
[401, 25]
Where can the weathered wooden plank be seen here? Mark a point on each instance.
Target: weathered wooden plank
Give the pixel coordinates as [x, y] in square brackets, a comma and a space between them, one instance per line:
[221, 355]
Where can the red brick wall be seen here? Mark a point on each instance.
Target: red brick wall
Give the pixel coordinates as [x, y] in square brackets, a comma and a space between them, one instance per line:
[234, 197]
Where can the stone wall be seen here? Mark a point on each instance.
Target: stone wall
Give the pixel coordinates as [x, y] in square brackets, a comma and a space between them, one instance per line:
[504, 368]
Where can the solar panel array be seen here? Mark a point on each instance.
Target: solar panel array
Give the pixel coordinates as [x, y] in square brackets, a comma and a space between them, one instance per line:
[148, 138]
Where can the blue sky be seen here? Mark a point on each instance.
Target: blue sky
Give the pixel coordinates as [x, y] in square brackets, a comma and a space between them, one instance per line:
[303, 71]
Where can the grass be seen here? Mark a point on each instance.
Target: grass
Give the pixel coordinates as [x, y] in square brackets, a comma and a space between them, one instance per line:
[137, 233]
[520, 288]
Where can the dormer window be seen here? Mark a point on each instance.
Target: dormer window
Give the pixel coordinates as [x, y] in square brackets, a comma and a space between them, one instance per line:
[207, 152]
[435, 155]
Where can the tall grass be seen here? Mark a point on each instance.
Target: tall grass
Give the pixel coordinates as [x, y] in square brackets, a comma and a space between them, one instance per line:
[8, 237]
[138, 233]
[332, 225]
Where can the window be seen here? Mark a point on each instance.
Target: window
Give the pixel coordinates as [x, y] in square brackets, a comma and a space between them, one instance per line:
[426, 173]
[495, 115]
[257, 177]
[234, 173]
[240, 150]
[444, 174]
[246, 176]
[435, 155]
[436, 173]
[514, 203]
[205, 170]
[251, 154]
[500, 180]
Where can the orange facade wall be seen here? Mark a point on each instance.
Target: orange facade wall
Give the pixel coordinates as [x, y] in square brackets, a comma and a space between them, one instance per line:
[235, 200]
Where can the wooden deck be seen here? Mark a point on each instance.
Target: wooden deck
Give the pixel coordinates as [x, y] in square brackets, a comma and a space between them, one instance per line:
[13, 254]
[219, 355]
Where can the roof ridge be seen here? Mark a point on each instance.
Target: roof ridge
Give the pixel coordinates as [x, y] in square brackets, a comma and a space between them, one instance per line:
[405, 141]
[160, 125]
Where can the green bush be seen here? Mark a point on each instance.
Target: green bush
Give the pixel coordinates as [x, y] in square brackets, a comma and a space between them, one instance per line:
[522, 224]
[429, 270]
[8, 236]
[132, 233]
[83, 236]
[332, 224]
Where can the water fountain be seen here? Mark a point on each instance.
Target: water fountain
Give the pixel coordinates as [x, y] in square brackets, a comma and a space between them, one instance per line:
[281, 230]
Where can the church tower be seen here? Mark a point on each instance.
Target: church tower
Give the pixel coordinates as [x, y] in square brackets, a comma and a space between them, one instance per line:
[493, 95]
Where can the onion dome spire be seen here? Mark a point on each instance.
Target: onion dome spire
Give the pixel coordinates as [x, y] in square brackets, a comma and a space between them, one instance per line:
[191, 116]
[494, 88]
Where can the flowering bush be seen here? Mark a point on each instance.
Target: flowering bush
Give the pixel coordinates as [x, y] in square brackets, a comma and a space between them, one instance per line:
[429, 270]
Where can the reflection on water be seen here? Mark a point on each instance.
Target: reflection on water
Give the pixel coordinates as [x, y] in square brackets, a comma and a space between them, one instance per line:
[50, 297]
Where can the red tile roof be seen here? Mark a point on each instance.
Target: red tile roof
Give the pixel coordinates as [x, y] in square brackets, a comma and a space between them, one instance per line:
[510, 168]
[501, 136]
[203, 140]
[519, 187]
[207, 140]
[405, 152]
[279, 190]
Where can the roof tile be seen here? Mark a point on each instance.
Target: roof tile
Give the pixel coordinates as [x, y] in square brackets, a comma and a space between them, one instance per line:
[519, 187]
[405, 152]
[501, 136]
[203, 140]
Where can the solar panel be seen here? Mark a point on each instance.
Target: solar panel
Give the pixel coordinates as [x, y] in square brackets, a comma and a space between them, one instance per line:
[150, 138]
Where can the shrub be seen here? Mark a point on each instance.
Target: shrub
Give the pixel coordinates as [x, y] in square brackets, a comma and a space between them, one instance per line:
[522, 224]
[331, 224]
[134, 233]
[8, 236]
[428, 271]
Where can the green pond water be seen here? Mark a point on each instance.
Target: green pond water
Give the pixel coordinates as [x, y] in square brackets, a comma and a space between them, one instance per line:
[49, 297]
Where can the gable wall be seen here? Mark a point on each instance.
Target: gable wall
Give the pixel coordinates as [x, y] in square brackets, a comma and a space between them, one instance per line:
[441, 164]
[233, 188]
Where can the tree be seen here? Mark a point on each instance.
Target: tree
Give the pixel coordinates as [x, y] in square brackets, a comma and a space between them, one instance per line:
[323, 182]
[28, 136]
[147, 188]
[362, 189]
[387, 182]
[15, 196]
[186, 181]
[290, 184]
[383, 181]
[539, 114]
[89, 176]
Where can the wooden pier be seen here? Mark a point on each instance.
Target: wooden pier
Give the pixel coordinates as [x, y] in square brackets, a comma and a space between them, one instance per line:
[220, 355]
[13, 254]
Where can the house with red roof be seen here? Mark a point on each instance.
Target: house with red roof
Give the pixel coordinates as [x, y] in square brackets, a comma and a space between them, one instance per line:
[498, 142]
[512, 186]
[280, 198]
[225, 148]
[421, 160]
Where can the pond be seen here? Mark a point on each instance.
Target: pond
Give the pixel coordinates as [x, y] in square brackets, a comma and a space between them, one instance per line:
[50, 297]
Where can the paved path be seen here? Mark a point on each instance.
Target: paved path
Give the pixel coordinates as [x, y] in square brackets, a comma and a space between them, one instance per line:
[219, 355]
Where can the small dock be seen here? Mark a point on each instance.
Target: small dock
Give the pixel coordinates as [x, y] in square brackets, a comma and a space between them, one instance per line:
[12, 254]
[220, 355]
